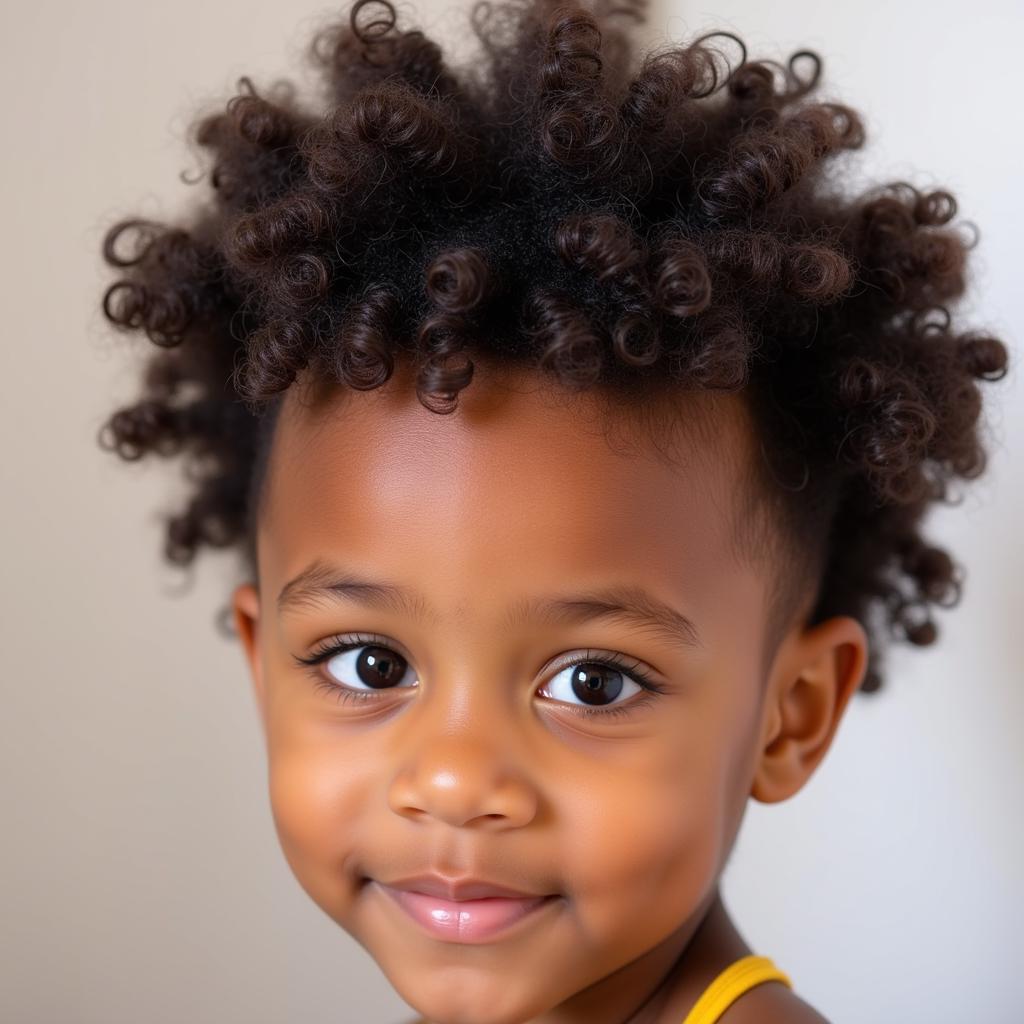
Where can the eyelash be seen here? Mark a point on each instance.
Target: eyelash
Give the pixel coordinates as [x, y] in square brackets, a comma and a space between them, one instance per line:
[344, 695]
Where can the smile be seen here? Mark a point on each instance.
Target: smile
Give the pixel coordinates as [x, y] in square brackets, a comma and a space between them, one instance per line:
[465, 920]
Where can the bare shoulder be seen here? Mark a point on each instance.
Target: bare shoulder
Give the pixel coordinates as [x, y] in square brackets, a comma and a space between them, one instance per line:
[771, 1003]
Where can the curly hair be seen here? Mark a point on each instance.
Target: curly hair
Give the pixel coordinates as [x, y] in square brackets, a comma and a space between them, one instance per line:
[627, 227]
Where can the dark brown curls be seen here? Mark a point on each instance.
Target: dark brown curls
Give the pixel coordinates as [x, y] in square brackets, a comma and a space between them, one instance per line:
[256, 120]
[363, 357]
[569, 343]
[577, 119]
[635, 340]
[404, 126]
[459, 280]
[602, 243]
[771, 159]
[682, 286]
[639, 224]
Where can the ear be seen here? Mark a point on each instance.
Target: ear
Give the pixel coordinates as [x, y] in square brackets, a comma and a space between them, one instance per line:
[812, 680]
[245, 607]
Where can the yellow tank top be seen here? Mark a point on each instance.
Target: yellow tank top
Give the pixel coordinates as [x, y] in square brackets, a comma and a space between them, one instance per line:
[736, 979]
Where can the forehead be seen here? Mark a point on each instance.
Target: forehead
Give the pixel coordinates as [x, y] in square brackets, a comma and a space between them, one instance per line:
[523, 487]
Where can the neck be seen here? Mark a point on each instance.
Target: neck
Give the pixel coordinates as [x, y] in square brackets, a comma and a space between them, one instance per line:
[710, 948]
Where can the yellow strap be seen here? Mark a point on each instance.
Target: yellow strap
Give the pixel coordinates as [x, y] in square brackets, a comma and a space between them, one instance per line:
[736, 979]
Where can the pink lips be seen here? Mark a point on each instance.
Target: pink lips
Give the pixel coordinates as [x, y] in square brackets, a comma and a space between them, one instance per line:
[464, 920]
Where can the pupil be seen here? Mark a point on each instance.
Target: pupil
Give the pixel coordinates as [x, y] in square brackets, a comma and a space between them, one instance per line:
[377, 666]
[600, 681]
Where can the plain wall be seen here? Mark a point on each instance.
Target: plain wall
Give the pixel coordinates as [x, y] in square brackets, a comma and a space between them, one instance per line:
[141, 876]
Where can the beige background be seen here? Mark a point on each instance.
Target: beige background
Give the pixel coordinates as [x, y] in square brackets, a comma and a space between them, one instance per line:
[141, 877]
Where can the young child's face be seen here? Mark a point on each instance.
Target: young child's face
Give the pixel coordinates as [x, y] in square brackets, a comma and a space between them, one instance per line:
[478, 760]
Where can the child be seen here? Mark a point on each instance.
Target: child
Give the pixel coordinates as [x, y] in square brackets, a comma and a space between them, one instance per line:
[577, 438]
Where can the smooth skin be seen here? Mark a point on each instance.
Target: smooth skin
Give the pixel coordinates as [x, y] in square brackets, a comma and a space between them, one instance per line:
[479, 761]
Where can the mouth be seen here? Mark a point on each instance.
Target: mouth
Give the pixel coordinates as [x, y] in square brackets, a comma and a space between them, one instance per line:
[459, 889]
[467, 920]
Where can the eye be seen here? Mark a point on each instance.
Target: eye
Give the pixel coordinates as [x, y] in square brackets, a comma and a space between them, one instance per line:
[361, 667]
[599, 681]
[370, 665]
[355, 665]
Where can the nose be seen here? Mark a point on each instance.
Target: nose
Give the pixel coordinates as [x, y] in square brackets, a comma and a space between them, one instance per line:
[462, 781]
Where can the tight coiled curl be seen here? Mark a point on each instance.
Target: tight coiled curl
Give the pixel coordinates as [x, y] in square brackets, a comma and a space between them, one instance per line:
[660, 224]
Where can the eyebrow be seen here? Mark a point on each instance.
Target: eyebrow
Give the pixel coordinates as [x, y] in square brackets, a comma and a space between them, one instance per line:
[624, 603]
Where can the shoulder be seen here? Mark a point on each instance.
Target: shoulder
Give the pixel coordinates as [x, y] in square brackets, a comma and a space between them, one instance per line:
[771, 1003]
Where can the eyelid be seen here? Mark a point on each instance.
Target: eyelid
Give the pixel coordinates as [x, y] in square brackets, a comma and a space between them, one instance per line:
[626, 663]
[350, 641]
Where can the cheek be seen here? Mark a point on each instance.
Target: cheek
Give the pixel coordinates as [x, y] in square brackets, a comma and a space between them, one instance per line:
[316, 792]
[647, 846]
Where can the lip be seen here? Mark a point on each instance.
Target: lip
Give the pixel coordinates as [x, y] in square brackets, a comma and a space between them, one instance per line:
[466, 920]
[458, 890]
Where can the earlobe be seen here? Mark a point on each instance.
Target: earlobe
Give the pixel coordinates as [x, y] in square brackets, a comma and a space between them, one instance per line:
[810, 688]
[245, 607]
